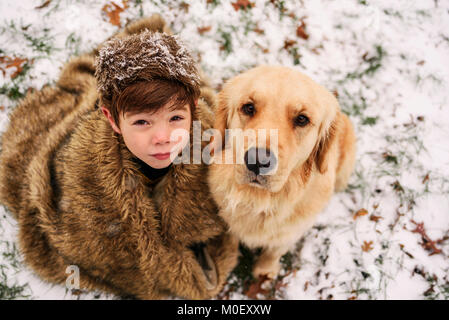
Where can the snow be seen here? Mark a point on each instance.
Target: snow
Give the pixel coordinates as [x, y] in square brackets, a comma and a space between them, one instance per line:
[404, 43]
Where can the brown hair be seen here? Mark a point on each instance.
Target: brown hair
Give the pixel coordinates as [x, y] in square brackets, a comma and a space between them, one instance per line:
[150, 96]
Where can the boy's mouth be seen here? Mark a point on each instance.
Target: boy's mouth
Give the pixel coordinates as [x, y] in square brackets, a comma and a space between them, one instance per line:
[161, 156]
[206, 263]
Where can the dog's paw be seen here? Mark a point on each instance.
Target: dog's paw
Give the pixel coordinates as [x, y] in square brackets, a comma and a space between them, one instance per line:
[268, 269]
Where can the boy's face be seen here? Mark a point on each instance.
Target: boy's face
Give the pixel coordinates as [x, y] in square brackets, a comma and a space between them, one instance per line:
[155, 138]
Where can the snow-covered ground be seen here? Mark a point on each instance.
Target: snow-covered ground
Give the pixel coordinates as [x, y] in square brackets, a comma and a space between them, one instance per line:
[387, 235]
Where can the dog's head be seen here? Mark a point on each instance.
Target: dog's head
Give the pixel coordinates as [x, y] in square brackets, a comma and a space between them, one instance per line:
[274, 120]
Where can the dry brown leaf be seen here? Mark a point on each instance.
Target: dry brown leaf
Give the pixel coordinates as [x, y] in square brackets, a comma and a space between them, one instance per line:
[258, 30]
[242, 4]
[361, 212]
[256, 288]
[45, 4]
[367, 246]
[185, 6]
[301, 31]
[289, 43]
[112, 10]
[202, 30]
[375, 218]
[9, 62]
[428, 244]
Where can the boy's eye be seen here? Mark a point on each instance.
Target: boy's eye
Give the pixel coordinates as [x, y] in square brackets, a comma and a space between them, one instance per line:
[176, 118]
[140, 122]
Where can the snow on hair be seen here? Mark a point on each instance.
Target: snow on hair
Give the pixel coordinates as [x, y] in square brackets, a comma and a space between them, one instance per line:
[144, 56]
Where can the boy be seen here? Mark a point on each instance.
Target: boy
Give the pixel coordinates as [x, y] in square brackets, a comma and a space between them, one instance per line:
[89, 173]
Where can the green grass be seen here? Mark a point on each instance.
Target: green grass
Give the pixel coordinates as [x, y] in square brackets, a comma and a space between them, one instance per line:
[41, 44]
[226, 41]
[370, 64]
[9, 289]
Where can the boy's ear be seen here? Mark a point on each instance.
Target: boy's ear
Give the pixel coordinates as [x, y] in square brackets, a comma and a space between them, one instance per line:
[108, 115]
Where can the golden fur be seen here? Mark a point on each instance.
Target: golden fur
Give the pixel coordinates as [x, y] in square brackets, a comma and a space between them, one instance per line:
[313, 161]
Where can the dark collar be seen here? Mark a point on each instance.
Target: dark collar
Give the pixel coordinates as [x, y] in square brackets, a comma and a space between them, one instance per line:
[154, 175]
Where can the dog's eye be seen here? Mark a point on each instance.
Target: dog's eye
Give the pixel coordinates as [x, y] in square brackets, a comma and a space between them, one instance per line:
[301, 121]
[249, 109]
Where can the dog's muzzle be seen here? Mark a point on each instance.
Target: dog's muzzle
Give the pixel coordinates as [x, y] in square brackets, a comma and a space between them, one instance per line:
[260, 161]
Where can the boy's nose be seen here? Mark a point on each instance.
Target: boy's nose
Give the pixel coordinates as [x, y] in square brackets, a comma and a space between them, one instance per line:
[161, 136]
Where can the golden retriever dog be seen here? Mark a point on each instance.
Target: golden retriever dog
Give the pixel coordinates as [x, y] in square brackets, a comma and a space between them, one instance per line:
[296, 148]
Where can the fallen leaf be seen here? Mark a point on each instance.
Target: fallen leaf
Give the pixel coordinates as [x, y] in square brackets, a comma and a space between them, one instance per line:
[9, 62]
[390, 158]
[112, 10]
[426, 178]
[202, 30]
[242, 4]
[289, 43]
[445, 238]
[185, 6]
[301, 32]
[258, 30]
[428, 244]
[374, 218]
[280, 5]
[256, 288]
[397, 186]
[361, 212]
[367, 246]
[2, 108]
[45, 4]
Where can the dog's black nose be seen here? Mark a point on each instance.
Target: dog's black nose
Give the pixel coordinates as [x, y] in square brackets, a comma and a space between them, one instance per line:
[261, 161]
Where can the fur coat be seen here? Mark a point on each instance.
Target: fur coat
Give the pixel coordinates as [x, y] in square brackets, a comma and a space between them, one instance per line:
[79, 199]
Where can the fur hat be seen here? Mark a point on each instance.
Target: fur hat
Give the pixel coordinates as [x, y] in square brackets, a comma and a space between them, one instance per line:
[144, 56]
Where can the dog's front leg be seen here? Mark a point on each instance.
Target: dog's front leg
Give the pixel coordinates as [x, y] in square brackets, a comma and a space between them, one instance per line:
[268, 263]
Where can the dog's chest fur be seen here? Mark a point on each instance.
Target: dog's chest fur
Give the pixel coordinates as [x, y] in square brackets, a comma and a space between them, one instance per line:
[262, 223]
[277, 220]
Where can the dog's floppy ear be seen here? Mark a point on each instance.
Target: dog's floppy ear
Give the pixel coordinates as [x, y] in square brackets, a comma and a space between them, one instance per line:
[320, 153]
[328, 129]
